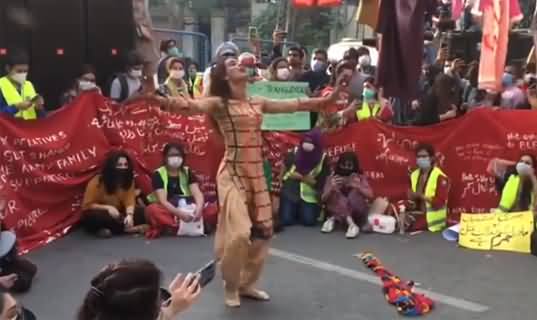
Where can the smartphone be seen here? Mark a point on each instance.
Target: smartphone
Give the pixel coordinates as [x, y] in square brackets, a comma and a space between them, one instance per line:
[207, 273]
[252, 33]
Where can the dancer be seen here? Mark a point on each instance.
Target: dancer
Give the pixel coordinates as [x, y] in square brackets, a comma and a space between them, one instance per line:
[245, 221]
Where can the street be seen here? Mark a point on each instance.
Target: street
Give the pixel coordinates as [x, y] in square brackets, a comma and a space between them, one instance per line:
[309, 275]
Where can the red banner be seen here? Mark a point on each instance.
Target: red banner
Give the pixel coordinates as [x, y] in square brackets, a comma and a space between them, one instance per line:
[45, 165]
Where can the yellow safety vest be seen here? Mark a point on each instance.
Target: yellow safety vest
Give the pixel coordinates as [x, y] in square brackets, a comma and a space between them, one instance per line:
[365, 112]
[436, 219]
[510, 194]
[198, 88]
[307, 193]
[13, 97]
[184, 175]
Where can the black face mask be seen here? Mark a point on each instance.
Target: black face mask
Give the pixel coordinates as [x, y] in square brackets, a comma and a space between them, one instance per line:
[345, 172]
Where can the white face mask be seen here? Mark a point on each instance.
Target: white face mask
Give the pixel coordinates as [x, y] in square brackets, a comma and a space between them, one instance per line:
[136, 73]
[364, 61]
[308, 146]
[20, 77]
[175, 162]
[86, 85]
[177, 74]
[283, 74]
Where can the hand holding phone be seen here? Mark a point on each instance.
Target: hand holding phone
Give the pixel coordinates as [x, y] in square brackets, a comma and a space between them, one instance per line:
[207, 273]
[184, 291]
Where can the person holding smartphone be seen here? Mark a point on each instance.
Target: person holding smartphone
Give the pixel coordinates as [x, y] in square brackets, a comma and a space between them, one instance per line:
[347, 196]
[131, 290]
[18, 97]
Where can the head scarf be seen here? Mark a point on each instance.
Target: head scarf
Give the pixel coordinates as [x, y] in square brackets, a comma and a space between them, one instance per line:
[307, 161]
[227, 47]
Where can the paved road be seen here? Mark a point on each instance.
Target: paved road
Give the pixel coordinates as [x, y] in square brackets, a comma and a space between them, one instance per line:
[310, 276]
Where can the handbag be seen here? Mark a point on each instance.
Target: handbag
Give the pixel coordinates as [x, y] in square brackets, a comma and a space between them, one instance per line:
[193, 228]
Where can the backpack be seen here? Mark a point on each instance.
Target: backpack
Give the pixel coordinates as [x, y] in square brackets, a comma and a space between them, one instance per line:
[122, 82]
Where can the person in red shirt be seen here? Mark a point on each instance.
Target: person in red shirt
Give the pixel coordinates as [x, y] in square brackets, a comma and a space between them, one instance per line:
[330, 118]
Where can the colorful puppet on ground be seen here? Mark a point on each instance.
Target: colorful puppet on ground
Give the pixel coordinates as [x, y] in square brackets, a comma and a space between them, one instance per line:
[397, 292]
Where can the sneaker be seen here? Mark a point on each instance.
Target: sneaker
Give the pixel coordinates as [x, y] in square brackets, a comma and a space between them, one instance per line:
[328, 226]
[353, 231]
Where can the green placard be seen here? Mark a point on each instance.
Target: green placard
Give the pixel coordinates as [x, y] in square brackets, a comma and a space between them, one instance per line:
[298, 121]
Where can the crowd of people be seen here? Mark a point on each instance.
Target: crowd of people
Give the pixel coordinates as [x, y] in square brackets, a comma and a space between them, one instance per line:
[313, 193]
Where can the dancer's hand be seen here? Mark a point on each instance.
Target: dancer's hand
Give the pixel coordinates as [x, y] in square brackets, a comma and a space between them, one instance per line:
[342, 83]
[185, 290]
[3, 198]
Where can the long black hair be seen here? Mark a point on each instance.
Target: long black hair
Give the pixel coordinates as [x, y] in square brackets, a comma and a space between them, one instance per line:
[348, 157]
[128, 290]
[112, 178]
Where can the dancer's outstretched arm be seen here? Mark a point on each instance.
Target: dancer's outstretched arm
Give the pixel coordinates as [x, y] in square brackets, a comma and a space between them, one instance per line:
[189, 107]
[305, 104]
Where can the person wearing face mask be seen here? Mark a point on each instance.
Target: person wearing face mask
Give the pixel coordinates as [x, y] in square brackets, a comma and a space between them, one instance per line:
[428, 194]
[171, 183]
[127, 86]
[370, 107]
[279, 70]
[175, 85]
[18, 97]
[347, 196]
[86, 81]
[168, 50]
[317, 78]
[518, 193]
[305, 170]
[109, 204]
[194, 80]
[512, 96]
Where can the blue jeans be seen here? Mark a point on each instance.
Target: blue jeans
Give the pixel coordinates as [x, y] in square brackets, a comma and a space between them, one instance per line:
[292, 213]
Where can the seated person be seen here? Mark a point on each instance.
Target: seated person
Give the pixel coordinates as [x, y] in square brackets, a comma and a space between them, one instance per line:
[346, 196]
[127, 86]
[109, 205]
[16, 273]
[306, 169]
[520, 186]
[429, 191]
[171, 183]
[17, 95]
[86, 81]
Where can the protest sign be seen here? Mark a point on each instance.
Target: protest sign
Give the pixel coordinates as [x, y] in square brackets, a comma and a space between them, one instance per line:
[281, 91]
[497, 231]
[46, 164]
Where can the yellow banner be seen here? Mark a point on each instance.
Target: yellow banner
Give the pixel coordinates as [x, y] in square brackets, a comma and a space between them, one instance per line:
[497, 231]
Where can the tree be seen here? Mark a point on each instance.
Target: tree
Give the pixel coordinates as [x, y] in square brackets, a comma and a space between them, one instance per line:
[312, 26]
